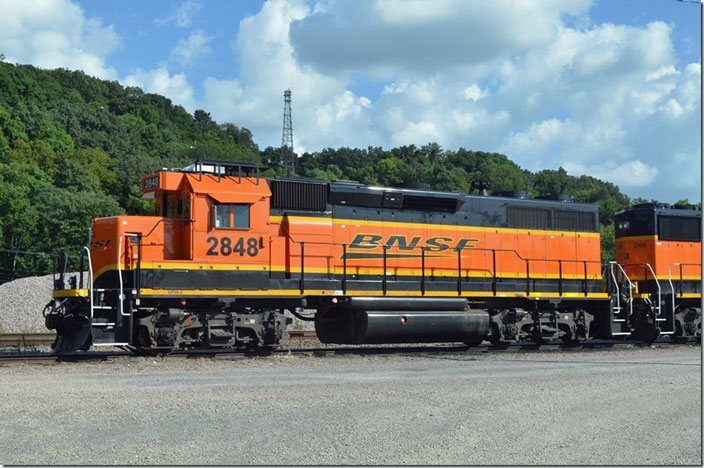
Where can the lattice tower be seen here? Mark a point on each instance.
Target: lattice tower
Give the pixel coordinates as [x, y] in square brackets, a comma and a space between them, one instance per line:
[287, 134]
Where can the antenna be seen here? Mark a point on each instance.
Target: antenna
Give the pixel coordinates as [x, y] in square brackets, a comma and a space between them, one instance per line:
[287, 134]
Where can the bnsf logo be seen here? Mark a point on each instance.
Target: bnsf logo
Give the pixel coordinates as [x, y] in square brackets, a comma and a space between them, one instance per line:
[432, 244]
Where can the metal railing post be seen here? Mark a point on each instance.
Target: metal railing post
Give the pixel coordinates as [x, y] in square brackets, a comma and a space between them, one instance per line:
[527, 276]
[383, 279]
[303, 268]
[493, 282]
[422, 270]
[344, 268]
[459, 271]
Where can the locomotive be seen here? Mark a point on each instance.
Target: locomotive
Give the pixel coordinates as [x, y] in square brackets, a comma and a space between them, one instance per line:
[227, 252]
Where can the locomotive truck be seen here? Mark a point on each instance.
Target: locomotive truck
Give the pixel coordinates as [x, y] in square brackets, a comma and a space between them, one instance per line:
[227, 252]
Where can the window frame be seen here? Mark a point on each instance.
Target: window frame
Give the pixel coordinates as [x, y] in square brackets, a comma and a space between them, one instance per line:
[231, 216]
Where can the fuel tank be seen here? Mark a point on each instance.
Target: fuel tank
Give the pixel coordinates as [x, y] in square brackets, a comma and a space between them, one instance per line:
[347, 325]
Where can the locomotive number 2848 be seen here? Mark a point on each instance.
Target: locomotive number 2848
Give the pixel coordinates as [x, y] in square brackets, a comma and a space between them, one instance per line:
[225, 247]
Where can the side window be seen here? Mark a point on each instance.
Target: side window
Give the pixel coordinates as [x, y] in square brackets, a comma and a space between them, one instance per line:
[222, 216]
[241, 213]
[186, 206]
[232, 215]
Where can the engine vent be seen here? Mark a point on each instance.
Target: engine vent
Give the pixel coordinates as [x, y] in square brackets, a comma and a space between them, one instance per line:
[577, 221]
[679, 228]
[528, 218]
[299, 195]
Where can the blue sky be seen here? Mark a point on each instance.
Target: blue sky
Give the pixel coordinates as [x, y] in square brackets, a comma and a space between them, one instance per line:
[609, 88]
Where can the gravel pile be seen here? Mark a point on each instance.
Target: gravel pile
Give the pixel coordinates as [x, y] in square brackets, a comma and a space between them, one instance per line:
[22, 302]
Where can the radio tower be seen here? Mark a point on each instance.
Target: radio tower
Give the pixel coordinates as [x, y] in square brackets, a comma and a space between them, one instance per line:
[287, 135]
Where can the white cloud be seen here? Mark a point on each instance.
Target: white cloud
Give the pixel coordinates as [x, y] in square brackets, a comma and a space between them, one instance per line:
[475, 93]
[56, 33]
[626, 174]
[550, 95]
[389, 37]
[182, 15]
[159, 81]
[194, 48]
[324, 111]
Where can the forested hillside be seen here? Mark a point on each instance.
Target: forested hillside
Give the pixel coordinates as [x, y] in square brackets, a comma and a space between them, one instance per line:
[74, 147]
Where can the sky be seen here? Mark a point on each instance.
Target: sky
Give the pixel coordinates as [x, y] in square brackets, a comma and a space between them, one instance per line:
[607, 88]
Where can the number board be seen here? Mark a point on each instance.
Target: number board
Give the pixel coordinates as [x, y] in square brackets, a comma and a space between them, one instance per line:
[151, 182]
[226, 246]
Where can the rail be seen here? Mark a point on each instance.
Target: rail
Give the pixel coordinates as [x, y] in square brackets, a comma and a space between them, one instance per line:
[47, 339]
[27, 339]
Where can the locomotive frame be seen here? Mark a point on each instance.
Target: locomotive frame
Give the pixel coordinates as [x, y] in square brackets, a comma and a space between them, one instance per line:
[228, 251]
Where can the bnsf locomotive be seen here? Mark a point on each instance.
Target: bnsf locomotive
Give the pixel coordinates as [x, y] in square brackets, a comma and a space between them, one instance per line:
[227, 252]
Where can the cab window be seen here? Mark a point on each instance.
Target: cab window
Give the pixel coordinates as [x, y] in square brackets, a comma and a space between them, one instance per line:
[231, 215]
[241, 215]
[222, 216]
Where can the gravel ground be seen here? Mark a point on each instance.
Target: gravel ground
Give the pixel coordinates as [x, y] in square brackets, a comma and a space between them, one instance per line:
[629, 406]
[22, 302]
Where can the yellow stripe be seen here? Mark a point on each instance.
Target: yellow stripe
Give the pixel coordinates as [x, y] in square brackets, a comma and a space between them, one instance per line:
[351, 270]
[664, 278]
[636, 238]
[191, 266]
[318, 292]
[70, 293]
[232, 292]
[402, 225]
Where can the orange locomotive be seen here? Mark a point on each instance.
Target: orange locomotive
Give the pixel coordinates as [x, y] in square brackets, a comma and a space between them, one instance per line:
[227, 252]
[659, 250]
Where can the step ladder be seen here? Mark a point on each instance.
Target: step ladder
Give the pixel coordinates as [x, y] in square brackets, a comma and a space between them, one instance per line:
[621, 312]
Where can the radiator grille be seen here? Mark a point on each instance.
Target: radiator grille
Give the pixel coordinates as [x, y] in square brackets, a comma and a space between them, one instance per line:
[528, 218]
[676, 228]
[295, 195]
[581, 221]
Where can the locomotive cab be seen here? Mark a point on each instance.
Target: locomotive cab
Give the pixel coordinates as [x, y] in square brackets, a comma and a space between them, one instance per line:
[208, 234]
[659, 250]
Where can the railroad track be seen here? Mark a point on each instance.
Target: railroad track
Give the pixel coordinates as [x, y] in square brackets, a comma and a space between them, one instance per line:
[319, 349]
[24, 340]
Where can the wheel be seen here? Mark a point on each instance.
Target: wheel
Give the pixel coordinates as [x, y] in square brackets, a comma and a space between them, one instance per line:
[495, 337]
[679, 339]
[259, 350]
[475, 342]
[568, 340]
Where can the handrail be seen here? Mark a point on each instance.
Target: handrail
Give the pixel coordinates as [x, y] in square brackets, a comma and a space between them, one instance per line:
[121, 296]
[659, 307]
[669, 279]
[657, 282]
[618, 291]
[90, 281]
[182, 220]
[423, 249]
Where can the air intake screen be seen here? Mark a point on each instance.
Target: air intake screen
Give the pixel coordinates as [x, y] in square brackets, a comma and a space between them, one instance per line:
[676, 228]
[528, 218]
[304, 196]
[578, 221]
